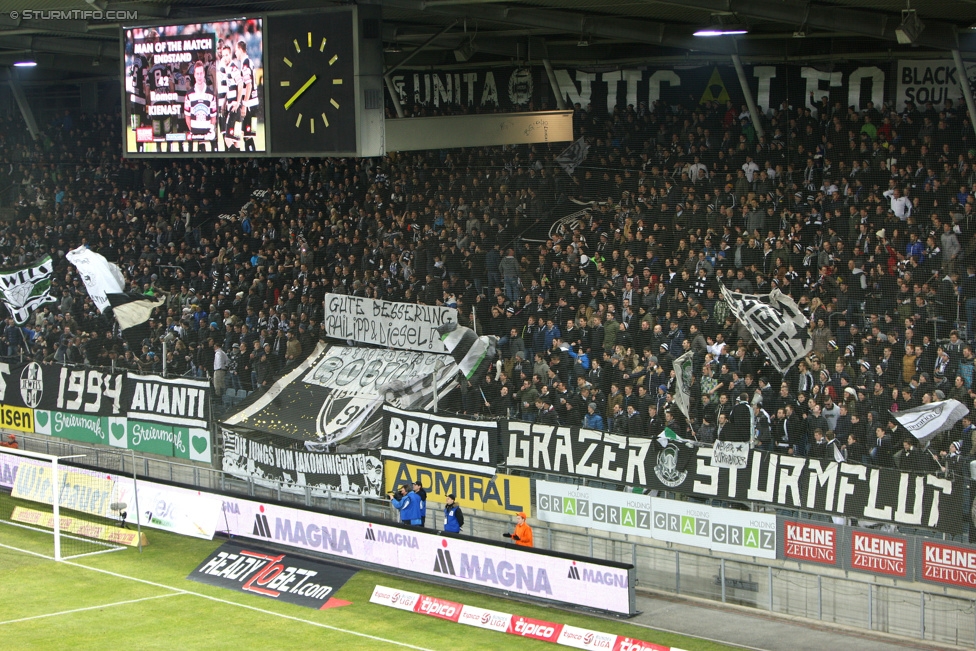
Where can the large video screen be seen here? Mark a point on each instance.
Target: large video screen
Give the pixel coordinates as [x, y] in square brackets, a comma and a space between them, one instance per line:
[195, 89]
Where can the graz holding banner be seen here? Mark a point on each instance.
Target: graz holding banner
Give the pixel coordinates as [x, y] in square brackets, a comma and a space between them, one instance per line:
[686, 523]
[403, 326]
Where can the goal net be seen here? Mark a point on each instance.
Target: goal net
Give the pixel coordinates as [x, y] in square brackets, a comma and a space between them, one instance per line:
[57, 510]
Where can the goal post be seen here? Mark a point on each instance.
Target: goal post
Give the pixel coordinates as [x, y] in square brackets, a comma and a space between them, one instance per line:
[79, 507]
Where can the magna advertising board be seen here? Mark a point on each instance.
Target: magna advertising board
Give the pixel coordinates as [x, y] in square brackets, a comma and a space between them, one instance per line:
[601, 585]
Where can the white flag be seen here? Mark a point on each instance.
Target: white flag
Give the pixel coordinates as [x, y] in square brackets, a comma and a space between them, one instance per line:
[683, 379]
[775, 322]
[925, 421]
[100, 276]
[573, 156]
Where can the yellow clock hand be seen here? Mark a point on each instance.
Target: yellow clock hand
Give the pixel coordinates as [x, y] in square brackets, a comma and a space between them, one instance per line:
[298, 93]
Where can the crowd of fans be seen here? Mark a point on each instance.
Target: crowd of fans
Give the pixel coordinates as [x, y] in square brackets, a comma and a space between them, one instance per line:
[865, 217]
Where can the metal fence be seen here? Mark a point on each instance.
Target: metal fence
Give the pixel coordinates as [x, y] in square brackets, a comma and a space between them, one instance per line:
[872, 605]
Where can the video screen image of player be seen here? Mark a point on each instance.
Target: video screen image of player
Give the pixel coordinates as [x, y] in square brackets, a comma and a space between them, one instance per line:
[195, 88]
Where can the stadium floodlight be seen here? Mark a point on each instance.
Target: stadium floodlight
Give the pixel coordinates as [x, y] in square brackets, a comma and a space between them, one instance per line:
[28, 63]
[722, 30]
[910, 29]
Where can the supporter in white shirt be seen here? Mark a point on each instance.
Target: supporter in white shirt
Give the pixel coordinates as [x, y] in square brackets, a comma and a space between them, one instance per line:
[901, 206]
[750, 168]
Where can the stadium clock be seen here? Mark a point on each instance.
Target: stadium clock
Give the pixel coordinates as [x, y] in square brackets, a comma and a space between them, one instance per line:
[311, 83]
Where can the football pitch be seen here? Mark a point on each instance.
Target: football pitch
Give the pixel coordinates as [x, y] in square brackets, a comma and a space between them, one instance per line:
[124, 599]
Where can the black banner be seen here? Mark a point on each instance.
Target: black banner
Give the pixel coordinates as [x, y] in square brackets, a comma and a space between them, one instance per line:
[463, 445]
[294, 469]
[850, 490]
[178, 401]
[275, 575]
[515, 89]
[96, 392]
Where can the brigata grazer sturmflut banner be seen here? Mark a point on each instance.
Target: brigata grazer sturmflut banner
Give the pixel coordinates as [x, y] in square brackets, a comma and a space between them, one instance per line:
[468, 446]
[850, 490]
[294, 470]
[574, 581]
[403, 326]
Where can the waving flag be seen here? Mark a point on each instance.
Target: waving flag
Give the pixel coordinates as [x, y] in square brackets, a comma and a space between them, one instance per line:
[132, 311]
[775, 322]
[573, 156]
[925, 421]
[25, 289]
[683, 379]
[100, 276]
[472, 353]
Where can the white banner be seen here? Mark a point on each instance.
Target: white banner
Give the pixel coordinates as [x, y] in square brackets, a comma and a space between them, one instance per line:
[100, 276]
[730, 454]
[925, 421]
[683, 379]
[404, 326]
[726, 530]
[931, 80]
[604, 586]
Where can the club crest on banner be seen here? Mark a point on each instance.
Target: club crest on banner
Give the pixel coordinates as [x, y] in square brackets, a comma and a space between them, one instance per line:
[520, 86]
[666, 468]
[32, 384]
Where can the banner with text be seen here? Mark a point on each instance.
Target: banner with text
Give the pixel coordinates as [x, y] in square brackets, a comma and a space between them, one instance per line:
[932, 80]
[697, 525]
[504, 494]
[97, 392]
[403, 326]
[295, 470]
[850, 490]
[336, 386]
[468, 446]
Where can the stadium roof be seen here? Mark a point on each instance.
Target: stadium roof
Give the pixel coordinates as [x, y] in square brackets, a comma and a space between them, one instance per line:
[566, 32]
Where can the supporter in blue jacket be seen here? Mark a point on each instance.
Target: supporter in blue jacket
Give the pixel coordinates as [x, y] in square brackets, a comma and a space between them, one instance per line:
[408, 504]
[453, 518]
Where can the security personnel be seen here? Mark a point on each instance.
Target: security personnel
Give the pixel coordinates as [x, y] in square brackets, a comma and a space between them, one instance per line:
[523, 532]
[418, 488]
[453, 517]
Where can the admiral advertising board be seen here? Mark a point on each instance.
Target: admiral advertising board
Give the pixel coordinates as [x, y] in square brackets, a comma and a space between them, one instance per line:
[601, 585]
[697, 525]
[504, 494]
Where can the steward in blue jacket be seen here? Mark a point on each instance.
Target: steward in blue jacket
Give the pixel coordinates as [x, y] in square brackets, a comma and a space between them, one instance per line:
[453, 518]
[409, 506]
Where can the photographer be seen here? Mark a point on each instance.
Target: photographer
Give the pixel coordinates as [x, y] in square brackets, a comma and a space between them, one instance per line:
[408, 504]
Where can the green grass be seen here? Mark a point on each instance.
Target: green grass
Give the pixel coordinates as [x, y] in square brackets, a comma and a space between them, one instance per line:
[168, 619]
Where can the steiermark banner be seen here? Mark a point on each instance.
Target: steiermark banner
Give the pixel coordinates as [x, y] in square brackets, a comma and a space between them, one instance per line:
[118, 431]
[686, 523]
